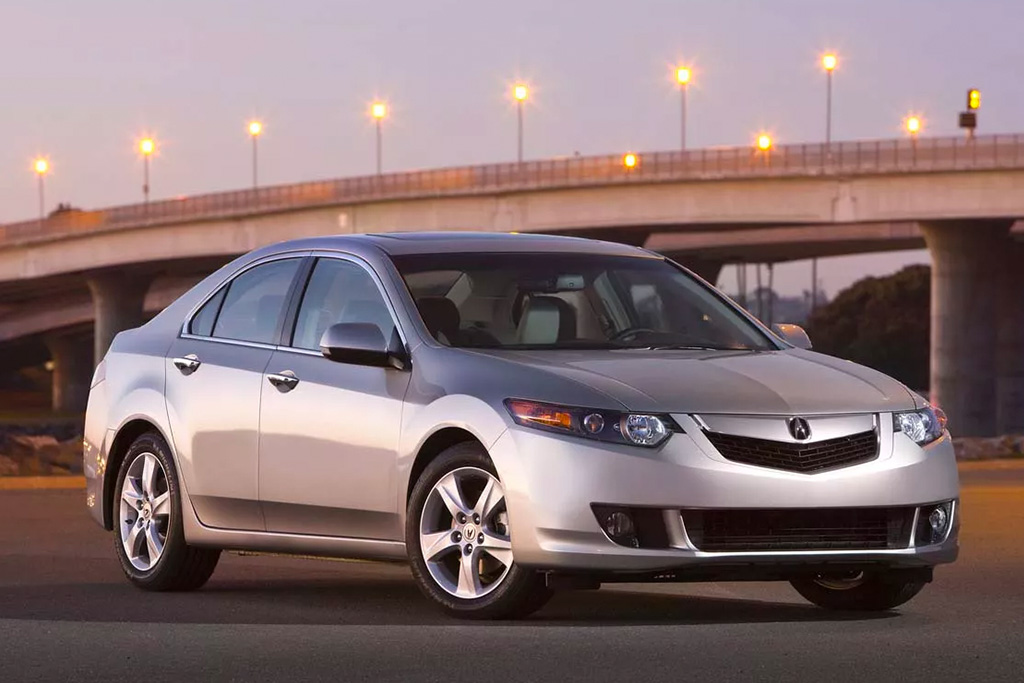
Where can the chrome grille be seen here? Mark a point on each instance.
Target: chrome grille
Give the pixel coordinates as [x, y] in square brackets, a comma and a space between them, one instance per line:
[797, 457]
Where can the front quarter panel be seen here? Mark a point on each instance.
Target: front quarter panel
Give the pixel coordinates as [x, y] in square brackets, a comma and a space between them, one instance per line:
[466, 390]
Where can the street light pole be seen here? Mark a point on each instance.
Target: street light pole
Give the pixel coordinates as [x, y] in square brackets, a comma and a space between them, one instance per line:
[520, 92]
[519, 136]
[814, 284]
[255, 130]
[828, 110]
[41, 167]
[378, 111]
[829, 62]
[683, 78]
[146, 147]
[380, 149]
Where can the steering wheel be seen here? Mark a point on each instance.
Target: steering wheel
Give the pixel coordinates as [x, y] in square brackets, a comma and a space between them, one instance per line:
[630, 332]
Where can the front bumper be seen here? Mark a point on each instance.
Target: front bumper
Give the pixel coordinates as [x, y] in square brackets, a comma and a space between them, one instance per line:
[551, 482]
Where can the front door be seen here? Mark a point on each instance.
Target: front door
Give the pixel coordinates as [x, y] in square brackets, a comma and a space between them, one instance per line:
[214, 377]
[329, 431]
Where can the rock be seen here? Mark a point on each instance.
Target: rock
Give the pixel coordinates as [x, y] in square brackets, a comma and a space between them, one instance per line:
[986, 448]
[43, 454]
[8, 467]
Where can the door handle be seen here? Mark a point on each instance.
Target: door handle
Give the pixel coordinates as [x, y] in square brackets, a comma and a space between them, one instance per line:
[283, 381]
[187, 364]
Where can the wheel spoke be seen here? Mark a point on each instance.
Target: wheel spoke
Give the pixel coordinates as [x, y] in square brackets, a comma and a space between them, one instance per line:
[153, 543]
[149, 468]
[503, 555]
[131, 544]
[489, 499]
[130, 493]
[451, 495]
[498, 547]
[469, 576]
[436, 544]
[162, 504]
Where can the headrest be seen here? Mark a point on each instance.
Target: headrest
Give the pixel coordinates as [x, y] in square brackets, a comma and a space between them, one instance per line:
[546, 320]
[441, 315]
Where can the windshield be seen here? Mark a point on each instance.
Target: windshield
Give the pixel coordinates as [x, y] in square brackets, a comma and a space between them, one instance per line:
[570, 301]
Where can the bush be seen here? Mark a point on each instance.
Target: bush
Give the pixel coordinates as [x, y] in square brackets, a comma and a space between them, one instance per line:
[881, 322]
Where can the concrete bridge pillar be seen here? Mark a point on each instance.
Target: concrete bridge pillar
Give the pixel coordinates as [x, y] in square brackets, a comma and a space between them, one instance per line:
[969, 263]
[118, 304]
[1010, 354]
[72, 357]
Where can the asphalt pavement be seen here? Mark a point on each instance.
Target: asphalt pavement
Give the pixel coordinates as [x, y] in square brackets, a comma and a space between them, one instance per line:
[66, 613]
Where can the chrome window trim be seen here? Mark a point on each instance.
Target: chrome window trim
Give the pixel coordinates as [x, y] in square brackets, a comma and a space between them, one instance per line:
[229, 342]
[381, 289]
[301, 352]
[185, 326]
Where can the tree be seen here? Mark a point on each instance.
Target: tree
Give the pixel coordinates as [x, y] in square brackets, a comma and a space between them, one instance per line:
[881, 322]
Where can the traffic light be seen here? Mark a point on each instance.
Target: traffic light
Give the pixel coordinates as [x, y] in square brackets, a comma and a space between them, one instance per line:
[973, 99]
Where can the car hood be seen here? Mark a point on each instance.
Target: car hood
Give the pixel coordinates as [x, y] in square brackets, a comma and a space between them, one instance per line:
[780, 382]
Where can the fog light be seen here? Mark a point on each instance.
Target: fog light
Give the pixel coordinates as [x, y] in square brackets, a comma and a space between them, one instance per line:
[934, 524]
[619, 525]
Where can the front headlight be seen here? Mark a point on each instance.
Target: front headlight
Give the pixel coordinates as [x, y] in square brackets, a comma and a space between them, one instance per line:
[637, 429]
[922, 426]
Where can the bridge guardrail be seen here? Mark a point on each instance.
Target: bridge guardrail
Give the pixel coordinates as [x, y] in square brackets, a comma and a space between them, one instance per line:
[838, 158]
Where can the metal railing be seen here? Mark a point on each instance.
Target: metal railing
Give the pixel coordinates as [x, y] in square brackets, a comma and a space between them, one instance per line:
[811, 160]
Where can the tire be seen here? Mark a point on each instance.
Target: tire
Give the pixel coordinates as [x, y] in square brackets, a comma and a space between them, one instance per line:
[178, 566]
[873, 592]
[499, 590]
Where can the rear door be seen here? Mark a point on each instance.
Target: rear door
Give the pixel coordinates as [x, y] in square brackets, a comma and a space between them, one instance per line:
[329, 436]
[214, 377]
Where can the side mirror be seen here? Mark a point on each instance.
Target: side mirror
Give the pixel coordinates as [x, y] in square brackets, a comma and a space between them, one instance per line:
[362, 344]
[794, 334]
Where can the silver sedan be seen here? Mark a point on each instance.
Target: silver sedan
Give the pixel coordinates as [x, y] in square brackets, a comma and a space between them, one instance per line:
[511, 414]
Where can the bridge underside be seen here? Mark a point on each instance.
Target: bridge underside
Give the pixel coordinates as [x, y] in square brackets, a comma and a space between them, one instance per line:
[977, 347]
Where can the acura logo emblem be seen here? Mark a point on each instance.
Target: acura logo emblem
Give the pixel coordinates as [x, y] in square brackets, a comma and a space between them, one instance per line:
[798, 428]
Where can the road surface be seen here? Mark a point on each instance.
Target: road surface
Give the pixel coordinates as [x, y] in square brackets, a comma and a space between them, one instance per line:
[66, 613]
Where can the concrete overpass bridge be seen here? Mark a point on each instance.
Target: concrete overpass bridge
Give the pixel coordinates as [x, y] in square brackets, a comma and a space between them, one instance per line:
[959, 197]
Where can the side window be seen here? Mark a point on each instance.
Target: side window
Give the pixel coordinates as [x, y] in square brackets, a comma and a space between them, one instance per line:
[254, 302]
[202, 321]
[339, 292]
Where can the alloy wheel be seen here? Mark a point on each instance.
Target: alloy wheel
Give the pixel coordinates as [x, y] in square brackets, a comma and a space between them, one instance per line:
[841, 583]
[464, 533]
[145, 511]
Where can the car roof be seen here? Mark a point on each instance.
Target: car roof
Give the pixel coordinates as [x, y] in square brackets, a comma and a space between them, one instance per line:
[403, 243]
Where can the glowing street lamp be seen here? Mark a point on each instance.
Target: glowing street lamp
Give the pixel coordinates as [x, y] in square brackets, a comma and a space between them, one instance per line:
[379, 111]
[255, 130]
[41, 166]
[829, 62]
[630, 161]
[763, 145]
[683, 75]
[913, 125]
[520, 91]
[147, 146]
